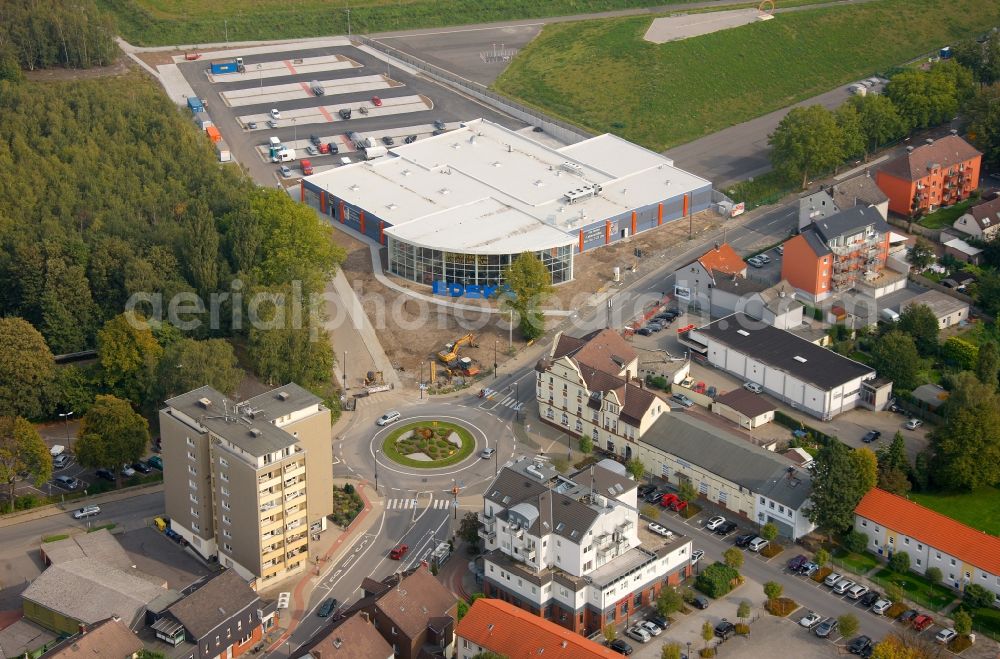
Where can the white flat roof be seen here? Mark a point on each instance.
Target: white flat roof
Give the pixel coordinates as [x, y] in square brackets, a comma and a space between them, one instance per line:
[484, 188]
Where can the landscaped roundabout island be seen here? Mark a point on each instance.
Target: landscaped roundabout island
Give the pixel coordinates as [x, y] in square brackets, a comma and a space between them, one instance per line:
[428, 444]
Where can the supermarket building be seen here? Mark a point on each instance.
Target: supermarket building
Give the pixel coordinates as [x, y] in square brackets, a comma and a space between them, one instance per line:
[460, 206]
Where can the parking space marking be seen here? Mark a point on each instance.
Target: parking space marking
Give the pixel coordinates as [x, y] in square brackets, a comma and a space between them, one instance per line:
[279, 69]
[326, 114]
[291, 69]
[258, 95]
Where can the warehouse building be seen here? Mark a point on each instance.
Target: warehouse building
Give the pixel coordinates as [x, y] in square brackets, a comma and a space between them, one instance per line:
[460, 206]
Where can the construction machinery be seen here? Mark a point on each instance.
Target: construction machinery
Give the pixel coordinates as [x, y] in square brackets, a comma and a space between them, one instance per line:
[463, 366]
[450, 352]
[373, 378]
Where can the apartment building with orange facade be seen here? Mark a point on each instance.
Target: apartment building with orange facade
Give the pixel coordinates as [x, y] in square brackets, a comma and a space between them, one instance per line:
[940, 173]
[833, 254]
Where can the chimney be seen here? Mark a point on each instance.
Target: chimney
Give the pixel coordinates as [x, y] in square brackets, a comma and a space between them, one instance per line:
[717, 247]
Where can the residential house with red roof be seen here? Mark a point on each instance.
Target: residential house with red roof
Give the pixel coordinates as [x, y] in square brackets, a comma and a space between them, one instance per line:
[964, 555]
[693, 282]
[982, 221]
[496, 626]
[940, 173]
[589, 386]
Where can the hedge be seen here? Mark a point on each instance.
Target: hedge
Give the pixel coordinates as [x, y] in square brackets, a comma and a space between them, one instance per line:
[716, 580]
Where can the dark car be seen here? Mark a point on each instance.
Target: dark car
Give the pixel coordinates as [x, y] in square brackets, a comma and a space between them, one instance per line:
[871, 436]
[315, 140]
[438, 124]
[827, 627]
[388, 141]
[645, 489]
[700, 602]
[796, 563]
[725, 629]
[142, 467]
[345, 113]
[644, 331]
[858, 645]
[333, 148]
[620, 646]
[327, 607]
[658, 620]
[410, 139]
[106, 474]
[156, 462]
[908, 615]
[869, 598]
[867, 652]
[743, 541]
[656, 495]
[726, 529]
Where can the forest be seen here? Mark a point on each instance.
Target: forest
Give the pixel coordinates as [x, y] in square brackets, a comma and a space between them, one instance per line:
[42, 34]
[106, 191]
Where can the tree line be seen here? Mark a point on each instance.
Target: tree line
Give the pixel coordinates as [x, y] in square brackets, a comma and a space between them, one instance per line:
[42, 34]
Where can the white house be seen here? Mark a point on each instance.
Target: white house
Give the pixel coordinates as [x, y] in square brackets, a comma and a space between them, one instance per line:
[860, 190]
[947, 309]
[982, 221]
[693, 282]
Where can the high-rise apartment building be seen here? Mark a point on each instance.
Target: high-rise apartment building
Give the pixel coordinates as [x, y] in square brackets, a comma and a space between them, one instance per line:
[248, 482]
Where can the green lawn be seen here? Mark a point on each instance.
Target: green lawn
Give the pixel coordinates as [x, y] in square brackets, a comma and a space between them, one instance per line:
[602, 75]
[441, 451]
[979, 509]
[987, 621]
[920, 590]
[944, 217]
[190, 22]
[857, 563]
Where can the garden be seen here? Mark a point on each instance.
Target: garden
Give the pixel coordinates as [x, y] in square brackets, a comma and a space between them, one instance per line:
[919, 589]
[429, 444]
[347, 504]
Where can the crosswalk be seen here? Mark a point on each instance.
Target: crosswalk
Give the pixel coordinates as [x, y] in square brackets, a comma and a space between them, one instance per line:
[406, 504]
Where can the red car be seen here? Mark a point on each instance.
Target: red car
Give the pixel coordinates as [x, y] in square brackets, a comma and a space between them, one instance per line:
[678, 506]
[324, 148]
[668, 499]
[376, 101]
[398, 552]
[922, 622]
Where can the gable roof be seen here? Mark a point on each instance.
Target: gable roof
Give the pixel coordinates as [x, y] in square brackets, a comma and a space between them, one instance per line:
[727, 456]
[932, 528]
[986, 214]
[746, 402]
[214, 603]
[604, 350]
[108, 638]
[739, 285]
[418, 598]
[857, 191]
[813, 240]
[849, 221]
[723, 259]
[946, 151]
[515, 633]
[354, 638]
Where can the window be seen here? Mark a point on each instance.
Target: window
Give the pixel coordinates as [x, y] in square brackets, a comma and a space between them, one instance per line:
[892, 540]
[549, 414]
[665, 470]
[190, 441]
[611, 446]
[637, 600]
[225, 491]
[225, 504]
[192, 485]
[223, 462]
[227, 533]
[194, 499]
[191, 455]
[194, 513]
[224, 476]
[918, 562]
[195, 526]
[192, 470]
[770, 504]
[937, 555]
[703, 488]
[565, 419]
[906, 541]
[953, 561]
[594, 434]
[579, 425]
[919, 546]
[227, 519]
[781, 509]
[762, 502]
[864, 522]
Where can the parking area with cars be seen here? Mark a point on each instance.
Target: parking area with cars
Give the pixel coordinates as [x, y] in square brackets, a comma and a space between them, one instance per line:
[325, 92]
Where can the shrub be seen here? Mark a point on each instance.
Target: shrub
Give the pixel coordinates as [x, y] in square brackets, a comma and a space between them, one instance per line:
[900, 562]
[960, 644]
[896, 610]
[348, 488]
[781, 607]
[848, 624]
[716, 580]
[963, 623]
[707, 652]
[733, 557]
[669, 601]
[855, 541]
[742, 628]
[977, 597]
[769, 531]
[822, 557]
[934, 574]
[821, 574]
[586, 445]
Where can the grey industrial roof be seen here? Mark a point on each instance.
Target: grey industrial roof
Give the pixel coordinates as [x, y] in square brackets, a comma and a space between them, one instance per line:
[99, 545]
[848, 220]
[219, 415]
[214, 603]
[746, 402]
[738, 285]
[282, 401]
[607, 481]
[89, 591]
[941, 304]
[785, 351]
[730, 457]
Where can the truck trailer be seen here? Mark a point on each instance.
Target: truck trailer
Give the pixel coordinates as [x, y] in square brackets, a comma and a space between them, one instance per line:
[230, 66]
[195, 104]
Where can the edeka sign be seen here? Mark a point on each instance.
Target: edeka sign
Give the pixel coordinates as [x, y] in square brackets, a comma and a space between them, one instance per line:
[470, 291]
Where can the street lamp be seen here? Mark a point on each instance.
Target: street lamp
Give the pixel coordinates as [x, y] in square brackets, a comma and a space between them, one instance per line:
[66, 417]
[494, 359]
[496, 461]
[346, 386]
[377, 451]
[295, 129]
[454, 494]
[689, 648]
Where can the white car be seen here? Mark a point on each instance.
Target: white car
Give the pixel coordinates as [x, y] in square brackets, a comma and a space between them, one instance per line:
[843, 586]
[638, 633]
[715, 522]
[128, 471]
[651, 628]
[913, 424]
[275, 114]
[697, 555]
[945, 635]
[487, 453]
[755, 262]
[810, 619]
[881, 607]
[757, 544]
[391, 416]
[660, 530]
[87, 511]
[753, 387]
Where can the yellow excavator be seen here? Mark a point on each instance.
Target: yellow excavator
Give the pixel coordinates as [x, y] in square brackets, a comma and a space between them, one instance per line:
[450, 352]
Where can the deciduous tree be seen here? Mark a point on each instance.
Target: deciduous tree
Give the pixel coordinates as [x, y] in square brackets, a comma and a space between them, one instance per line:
[967, 445]
[848, 625]
[733, 557]
[111, 435]
[22, 450]
[686, 491]
[773, 590]
[636, 468]
[854, 141]
[822, 557]
[900, 562]
[837, 488]
[669, 601]
[26, 369]
[743, 610]
[879, 118]
[982, 123]
[128, 353]
[895, 357]
[963, 623]
[189, 364]
[769, 531]
[920, 323]
[988, 363]
[807, 141]
[922, 254]
[671, 651]
[707, 633]
[960, 353]
[866, 464]
[530, 283]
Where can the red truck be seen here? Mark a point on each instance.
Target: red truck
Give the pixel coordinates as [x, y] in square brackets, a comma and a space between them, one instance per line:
[307, 168]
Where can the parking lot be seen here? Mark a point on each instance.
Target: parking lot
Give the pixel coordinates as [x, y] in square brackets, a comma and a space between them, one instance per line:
[384, 100]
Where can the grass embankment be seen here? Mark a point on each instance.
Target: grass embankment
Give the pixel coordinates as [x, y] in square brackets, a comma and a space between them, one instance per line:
[602, 75]
[979, 509]
[171, 22]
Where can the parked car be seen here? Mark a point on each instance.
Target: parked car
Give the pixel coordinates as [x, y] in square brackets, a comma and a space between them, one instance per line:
[285, 171]
[715, 522]
[333, 148]
[856, 591]
[345, 113]
[156, 462]
[252, 125]
[638, 633]
[128, 471]
[809, 569]
[660, 530]
[86, 511]
[620, 646]
[825, 628]
[312, 151]
[907, 615]
[398, 552]
[757, 544]
[655, 326]
[410, 139]
[272, 123]
[315, 140]
[810, 619]
[871, 436]
[668, 499]
[658, 620]
[726, 528]
[439, 125]
[275, 114]
[869, 598]
[922, 622]
[946, 635]
[60, 461]
[388, 141]
[832, 579]
[780, 250]
[843, 586]
[764, 258]
[656, 495]
[376, 101]
[651, 628]
[683, 400]
[881, 606]
[697, 555]
[753, 387]
[391, 416]
[700, 602]
[743, 541]
[858, 645]
[644, 331]
[645, 489]
[794, 564]
[327, 607]
[142, 467]
[755, 262]
[725, 629]
[66, 482]
[678, 506]
[106, 474]
[913, 424]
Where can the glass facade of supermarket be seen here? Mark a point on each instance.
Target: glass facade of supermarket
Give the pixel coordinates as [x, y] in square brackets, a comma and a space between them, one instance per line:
[425, 265]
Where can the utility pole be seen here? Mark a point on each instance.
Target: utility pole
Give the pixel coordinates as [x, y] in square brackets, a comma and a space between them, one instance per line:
[420, 384]
[66, 417]
[454, 494]
[260, 78]
[494, 359]
[346, 386]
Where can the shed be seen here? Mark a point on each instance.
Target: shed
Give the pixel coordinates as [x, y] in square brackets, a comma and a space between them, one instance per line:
[744, 408]
[947, 309]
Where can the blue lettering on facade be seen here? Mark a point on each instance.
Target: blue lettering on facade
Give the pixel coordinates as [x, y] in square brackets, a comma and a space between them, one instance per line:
[470, 291]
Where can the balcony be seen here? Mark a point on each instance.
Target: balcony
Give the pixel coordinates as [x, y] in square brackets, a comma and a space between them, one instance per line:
[488, 535]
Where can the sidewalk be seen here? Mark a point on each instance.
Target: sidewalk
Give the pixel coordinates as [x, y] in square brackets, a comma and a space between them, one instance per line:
[54, 509]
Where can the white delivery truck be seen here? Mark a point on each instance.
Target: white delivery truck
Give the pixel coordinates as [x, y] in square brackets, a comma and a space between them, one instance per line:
[373, 152]
[285, 155]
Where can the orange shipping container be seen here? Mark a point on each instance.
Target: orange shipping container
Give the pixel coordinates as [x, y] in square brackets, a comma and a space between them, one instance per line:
[213, 133]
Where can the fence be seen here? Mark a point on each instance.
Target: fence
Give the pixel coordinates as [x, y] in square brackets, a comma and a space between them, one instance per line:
[560, 129]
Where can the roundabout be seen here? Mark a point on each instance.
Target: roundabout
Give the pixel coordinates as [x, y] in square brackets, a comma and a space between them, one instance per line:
[428, 444]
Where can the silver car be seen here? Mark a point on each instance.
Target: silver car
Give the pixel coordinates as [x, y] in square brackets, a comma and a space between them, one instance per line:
[389, 417]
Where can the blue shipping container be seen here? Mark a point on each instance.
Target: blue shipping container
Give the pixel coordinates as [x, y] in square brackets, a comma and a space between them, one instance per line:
[195, 104]
[224, 67]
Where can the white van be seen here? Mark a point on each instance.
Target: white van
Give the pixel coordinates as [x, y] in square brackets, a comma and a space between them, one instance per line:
[285, 155]
[274, 141]
[888, 315]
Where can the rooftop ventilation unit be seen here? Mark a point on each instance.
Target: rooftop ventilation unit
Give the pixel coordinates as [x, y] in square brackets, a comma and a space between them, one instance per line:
[585, 192]
[803, 360]
[743, 332]
[572, 168]
[255, 432]
[205, 402]
[533, 470]
[284, 395]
